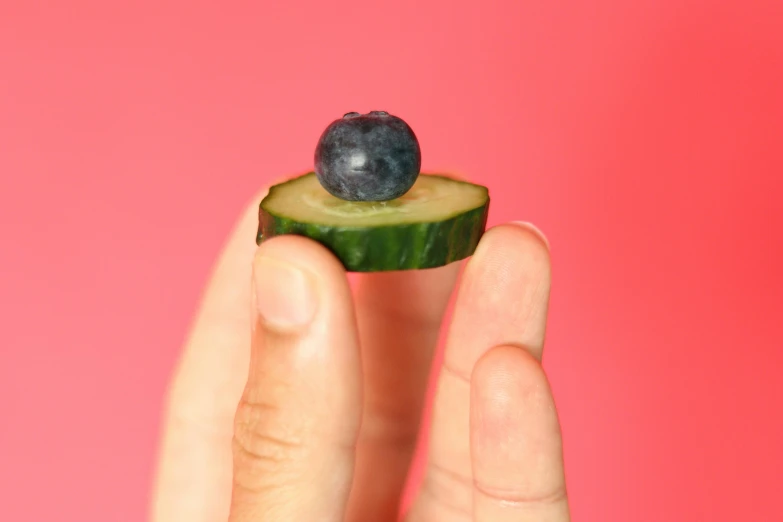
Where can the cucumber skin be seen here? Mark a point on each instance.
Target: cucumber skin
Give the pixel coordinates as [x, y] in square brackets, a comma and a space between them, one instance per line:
[411, 246]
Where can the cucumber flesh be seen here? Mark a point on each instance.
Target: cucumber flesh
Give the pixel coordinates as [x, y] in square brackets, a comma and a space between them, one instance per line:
[438, 221]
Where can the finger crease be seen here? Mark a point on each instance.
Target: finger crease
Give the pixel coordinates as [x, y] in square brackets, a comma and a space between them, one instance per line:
[447, 368]
[514, 498]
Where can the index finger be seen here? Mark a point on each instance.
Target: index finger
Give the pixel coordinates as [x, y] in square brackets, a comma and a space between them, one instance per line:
[193, 479]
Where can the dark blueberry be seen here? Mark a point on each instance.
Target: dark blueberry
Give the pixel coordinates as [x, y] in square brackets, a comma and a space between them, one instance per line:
[368, 157]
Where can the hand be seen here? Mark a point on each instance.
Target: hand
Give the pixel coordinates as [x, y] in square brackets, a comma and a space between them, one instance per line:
[306, 406]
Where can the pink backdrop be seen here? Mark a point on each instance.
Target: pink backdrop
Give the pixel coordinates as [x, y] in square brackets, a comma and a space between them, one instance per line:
[644, 137]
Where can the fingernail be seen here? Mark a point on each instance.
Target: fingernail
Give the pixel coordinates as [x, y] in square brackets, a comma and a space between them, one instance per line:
[285, 295]
[535, 230]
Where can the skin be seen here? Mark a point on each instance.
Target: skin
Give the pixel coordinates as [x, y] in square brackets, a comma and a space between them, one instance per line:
[303, 403]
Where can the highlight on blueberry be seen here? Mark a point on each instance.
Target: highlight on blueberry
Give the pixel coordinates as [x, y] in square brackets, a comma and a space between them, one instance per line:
[368, 157]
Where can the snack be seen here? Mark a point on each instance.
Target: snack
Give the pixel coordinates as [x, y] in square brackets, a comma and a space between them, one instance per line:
[368, 157]
[431, 220]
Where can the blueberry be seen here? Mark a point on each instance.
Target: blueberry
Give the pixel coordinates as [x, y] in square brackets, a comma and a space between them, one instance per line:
[368, 157]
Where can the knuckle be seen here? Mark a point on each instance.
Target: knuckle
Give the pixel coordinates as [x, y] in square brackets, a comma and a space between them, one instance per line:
[264, 444]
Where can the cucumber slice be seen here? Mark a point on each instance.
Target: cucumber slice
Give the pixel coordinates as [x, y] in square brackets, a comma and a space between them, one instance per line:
[438, 221]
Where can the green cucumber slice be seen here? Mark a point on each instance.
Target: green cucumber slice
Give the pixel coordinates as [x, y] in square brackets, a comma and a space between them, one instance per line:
[438, 221]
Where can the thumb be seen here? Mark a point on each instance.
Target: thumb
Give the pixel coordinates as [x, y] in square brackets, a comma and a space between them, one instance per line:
[298, 420]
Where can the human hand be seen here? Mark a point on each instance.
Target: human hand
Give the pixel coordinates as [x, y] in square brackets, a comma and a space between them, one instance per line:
[305, 406]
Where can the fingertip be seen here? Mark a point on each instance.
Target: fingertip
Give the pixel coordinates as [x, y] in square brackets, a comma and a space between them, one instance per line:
[534, 231]
[516, 444]
[304, 253]
[509, 240]
[294, 277]
[504, 294]
[504, 376]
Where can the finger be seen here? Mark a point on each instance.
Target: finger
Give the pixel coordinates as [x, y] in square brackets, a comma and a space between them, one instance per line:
[298, 419]
[193, 479]
[399, 317]
[516, 445]
[502, 300]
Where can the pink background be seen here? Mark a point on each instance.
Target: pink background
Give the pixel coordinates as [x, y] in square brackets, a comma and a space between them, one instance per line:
[645, 138]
